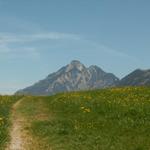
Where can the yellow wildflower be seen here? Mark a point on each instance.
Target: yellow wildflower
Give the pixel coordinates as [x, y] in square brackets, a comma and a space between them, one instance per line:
[82, 107]
[87, 110]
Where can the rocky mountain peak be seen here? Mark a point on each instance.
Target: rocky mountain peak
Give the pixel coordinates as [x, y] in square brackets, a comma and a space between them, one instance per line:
[72, 77]
[75, 65]
[95, 68]
[76, 62]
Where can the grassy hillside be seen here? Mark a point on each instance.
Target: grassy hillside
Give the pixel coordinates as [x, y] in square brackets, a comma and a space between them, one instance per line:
[6, 103]
[111, 119]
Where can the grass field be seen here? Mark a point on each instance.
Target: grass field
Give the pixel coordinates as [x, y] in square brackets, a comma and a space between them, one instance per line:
[111, 119]
[6, 103]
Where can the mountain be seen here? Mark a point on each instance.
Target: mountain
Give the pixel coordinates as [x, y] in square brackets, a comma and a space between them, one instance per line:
[74, 76]
[136, 78]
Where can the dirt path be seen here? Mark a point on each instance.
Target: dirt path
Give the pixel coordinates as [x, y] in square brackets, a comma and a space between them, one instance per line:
[18, 136]
[24, 113]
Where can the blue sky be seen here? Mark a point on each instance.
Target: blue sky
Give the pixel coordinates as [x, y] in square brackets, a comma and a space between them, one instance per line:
[37, 37]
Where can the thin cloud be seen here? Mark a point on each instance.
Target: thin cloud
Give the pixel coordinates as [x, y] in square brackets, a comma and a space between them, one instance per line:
[6, 39]
[22, 51]
[18, 53]
[10, 38]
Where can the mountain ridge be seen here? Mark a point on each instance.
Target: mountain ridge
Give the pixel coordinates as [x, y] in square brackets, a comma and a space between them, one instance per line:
[75, 76]
[138, 77]
[72, 77]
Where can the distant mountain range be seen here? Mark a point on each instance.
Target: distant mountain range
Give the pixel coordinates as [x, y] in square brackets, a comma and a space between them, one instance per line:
[75, 76]
[136, 78]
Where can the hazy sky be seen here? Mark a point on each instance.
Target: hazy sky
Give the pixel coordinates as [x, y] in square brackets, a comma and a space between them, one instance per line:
[37, 37]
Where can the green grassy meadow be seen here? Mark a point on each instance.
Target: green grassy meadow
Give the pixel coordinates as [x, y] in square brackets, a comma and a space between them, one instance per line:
[110, 119]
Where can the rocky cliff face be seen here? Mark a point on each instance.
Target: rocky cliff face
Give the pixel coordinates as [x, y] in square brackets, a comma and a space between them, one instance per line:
[75, 76]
